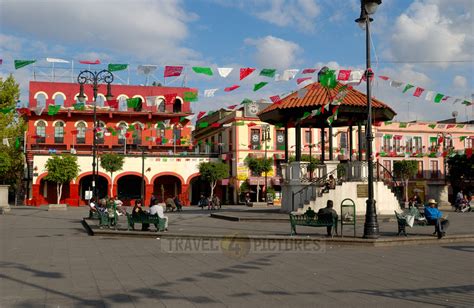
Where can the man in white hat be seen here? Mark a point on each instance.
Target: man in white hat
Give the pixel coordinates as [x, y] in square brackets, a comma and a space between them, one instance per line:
[435, 217]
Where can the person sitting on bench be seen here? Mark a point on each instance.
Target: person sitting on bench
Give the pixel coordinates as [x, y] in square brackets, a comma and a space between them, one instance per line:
[328, 211]
[139, 212]
[435, 217]
[157, 209]
[170, 205]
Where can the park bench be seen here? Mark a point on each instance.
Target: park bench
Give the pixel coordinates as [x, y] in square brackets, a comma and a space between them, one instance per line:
[105, 220]
[402, 219]
[145, 218]
[311, 219]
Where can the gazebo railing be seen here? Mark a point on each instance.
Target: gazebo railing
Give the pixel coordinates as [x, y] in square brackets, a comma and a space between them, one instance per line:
[308, 192]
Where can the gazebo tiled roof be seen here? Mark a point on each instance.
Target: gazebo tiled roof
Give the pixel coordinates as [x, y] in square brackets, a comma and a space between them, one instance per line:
[353, 107]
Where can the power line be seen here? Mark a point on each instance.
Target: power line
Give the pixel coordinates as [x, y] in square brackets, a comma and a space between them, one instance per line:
[430, 61]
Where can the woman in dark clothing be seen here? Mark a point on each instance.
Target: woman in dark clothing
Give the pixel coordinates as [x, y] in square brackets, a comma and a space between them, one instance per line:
[139, 212]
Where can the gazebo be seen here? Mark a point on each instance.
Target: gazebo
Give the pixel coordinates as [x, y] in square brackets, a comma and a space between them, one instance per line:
[316, 106]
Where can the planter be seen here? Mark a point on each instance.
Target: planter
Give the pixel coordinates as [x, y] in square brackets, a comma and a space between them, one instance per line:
[4, 206]
[57, 207]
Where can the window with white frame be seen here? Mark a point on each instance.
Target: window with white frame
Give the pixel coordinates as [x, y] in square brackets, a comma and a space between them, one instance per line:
[40, 132]
[468, 143]
[59, 132]
[81, 133]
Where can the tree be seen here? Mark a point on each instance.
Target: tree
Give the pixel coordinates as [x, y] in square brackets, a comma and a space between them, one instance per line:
[405, 169]
[11, 128]
[259, 166]
[461, 171]
[212, 172]
[111, 162]
[313, 161]
[62, 169]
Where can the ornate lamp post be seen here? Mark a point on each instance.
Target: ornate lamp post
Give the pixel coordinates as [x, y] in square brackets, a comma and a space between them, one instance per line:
[94, 78]
[371, 226]
[265, 138]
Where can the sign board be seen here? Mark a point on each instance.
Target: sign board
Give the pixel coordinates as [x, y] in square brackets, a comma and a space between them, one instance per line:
[242, 172]
[251, 109]
[362, 191]
[88, 194]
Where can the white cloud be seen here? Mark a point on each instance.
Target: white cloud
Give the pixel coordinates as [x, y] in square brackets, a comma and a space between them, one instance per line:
[407, 73]
[142, 28]
[273, 52]
[300, 13]
[427, 31]
[460, 82]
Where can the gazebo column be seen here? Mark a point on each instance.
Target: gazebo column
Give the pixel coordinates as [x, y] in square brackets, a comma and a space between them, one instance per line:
[323, 141]
[351, 145]
[298, 142]
[359, 139]
[286, 144]
[330, 143]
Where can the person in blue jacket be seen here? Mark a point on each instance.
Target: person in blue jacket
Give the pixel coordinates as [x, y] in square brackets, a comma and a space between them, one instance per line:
[435, 217]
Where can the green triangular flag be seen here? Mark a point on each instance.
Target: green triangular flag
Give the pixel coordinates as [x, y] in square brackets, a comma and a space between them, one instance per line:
[387, 137]
[246, 101]
[53, 109]
[407, 87]
[190, 96]
[467, 103]
[460, 126]
[433, 139]
[438, 97]
[133, 102]
[388, 122]
[305, 115]
[79, 106]
[114, 133]
[160, 124]
[164, 141]
[279, 125]
[402, 125]
[328, 79]
[241, 123]
[117, 67]
[330, 120]
[17, 143]
[202, 70]
[259, 85]
[203, 125]
[432, 126]
[462, 138]
[6, 110]
[22, 63]
[268, 72]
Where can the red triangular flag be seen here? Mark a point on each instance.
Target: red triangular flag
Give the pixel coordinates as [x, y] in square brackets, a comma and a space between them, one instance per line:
[384, 77]
[90, 62]
[201, 114]
[232, 88]
[300, 80]
[113, 104]
[251, 124]
[127, 135]
[173, 71]
[244, 72]
[217, 125]
[275, 99]
[232, 106]
[24, 111]
[450, 126]
[418, 91]
[308, 71]
[74, 132]
[170, 98]
[344, 75]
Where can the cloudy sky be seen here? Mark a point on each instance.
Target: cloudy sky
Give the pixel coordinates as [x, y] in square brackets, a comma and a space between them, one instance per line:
[427, 43]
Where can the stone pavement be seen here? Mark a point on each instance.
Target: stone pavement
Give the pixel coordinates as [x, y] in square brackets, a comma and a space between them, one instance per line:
[47, 260]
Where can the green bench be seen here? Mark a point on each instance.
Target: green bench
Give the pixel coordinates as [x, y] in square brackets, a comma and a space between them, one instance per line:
[311, 219]
[147, 219]
[402, 219]
[106, 220]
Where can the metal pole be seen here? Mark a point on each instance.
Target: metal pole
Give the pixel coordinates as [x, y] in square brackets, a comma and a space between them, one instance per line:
[371, 226]
[350, 142]
[143, 176]
[310, 153]
[94, 141]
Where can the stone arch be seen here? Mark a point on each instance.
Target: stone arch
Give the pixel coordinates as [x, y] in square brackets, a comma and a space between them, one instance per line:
[41, 120]
[172, 184]
[39, 93]
[122, 174]
[80, 121]
[54, 123]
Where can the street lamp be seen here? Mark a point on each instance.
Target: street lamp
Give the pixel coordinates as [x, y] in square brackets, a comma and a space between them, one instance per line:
[94, 78]
[265, 138]
[371, 226]
[443, 137]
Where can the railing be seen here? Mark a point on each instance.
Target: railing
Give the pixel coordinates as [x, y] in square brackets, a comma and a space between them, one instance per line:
[386, 176]
[311, 187]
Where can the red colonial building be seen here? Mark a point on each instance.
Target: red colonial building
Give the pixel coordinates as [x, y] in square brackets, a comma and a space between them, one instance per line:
[154, 135]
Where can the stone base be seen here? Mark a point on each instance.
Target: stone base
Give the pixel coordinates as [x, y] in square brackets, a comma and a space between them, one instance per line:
[4, 209]
[57, 207]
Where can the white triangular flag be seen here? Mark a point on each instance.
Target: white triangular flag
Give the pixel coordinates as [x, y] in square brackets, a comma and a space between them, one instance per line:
[287, 75]
[429, 95]
[5, 142]
[227, 125]
[224, 71]
[210, 92]
[395, 84]
[302, 92]
[39, 110]
[457, 100]
[56, 60]
[123, 104]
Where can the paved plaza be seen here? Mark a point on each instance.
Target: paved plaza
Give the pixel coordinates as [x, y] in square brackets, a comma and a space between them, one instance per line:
[48, 260]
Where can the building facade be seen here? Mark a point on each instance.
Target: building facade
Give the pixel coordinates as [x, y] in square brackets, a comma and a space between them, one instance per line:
[154, 136]
[236, 134]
